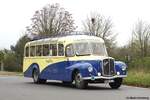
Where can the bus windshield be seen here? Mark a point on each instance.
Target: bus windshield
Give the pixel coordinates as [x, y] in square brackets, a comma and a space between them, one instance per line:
[88, 48]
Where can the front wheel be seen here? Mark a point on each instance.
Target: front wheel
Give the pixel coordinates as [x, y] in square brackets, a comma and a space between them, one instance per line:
[79, 82]
[36, 78]
[116, 84]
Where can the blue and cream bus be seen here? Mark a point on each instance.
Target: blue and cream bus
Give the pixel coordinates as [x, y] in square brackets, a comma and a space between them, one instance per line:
[78, 59]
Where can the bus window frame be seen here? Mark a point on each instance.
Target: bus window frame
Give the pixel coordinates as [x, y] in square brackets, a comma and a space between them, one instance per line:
[58, 49]
[34, 50]
[41, 49]
[52, 49]
[48, 50]
[25, 51]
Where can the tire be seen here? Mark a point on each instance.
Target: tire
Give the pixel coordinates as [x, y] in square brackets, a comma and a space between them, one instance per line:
[79, 82]
[36, 78]
[116, 84]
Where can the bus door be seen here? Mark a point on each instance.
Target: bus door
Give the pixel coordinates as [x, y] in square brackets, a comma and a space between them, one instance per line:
[69, 53]
[58, 61]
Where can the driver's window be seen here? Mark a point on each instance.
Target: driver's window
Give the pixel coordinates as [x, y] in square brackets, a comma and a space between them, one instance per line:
[70, 51]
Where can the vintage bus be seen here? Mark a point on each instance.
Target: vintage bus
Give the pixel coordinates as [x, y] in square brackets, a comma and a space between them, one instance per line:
[78, 59]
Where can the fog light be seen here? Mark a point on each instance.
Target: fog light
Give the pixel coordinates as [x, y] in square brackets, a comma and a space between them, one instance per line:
[99, 74]
[118, 73]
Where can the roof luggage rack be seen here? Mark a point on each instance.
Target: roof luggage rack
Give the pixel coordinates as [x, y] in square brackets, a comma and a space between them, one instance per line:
[37, 37]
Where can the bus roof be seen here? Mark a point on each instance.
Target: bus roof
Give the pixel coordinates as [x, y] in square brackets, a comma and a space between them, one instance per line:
[69, 38]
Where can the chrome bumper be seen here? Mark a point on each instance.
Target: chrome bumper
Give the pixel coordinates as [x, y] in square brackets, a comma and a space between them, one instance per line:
[102, 77]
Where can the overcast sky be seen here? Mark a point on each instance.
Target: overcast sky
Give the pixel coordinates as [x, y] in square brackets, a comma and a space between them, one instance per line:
[15, 15]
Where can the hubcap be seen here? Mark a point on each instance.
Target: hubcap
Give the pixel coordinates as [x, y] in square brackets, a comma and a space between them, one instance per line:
[78, 79]
[35, 76]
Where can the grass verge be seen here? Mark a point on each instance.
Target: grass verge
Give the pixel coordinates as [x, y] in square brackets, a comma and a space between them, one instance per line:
[10, 73]
[139, 78]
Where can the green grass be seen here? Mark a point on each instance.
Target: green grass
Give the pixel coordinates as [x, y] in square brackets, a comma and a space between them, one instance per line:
[10, 73]
[139, 72]
[138, 77]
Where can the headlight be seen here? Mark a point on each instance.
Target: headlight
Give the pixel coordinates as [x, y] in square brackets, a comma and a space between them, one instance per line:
[99, 74]
[124, 67]
[118, 73]
[90, 68]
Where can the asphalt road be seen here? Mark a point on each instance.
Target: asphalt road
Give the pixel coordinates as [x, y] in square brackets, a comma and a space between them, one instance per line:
[20, 88]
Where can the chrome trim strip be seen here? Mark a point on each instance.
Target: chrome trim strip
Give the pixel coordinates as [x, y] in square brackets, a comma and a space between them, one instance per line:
[102, 77]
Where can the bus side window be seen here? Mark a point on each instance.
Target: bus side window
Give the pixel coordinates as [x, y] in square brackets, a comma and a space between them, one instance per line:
[69, 50]
[54, 49]
[27, 52]
[50, 50]
[32, 51]
[45, 50]
[60, 50]
[39, 50]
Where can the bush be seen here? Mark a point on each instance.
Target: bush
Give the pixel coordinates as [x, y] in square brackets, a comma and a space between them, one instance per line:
[140, 64]
[10, 62]
[139, 72]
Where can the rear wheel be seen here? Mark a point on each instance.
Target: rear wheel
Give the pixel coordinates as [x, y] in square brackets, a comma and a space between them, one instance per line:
[79, 82]
[116, 84]
[36, 78]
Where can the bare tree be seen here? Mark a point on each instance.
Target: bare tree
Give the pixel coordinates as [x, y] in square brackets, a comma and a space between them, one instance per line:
[52, 19]
[100, 26]
[141, 37]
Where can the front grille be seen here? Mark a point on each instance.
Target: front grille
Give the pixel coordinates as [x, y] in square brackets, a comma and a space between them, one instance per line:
[108, 67]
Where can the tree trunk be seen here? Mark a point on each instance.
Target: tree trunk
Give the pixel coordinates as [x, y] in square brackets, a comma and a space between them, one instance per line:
[2, 66]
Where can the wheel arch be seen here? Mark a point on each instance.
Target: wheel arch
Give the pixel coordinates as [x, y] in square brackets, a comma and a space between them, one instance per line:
[29, 71]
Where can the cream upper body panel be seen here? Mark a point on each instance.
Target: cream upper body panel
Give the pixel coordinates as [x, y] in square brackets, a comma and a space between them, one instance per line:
[66, 40]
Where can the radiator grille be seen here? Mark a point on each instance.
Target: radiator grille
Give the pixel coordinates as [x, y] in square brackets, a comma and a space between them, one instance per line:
[108, 67]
